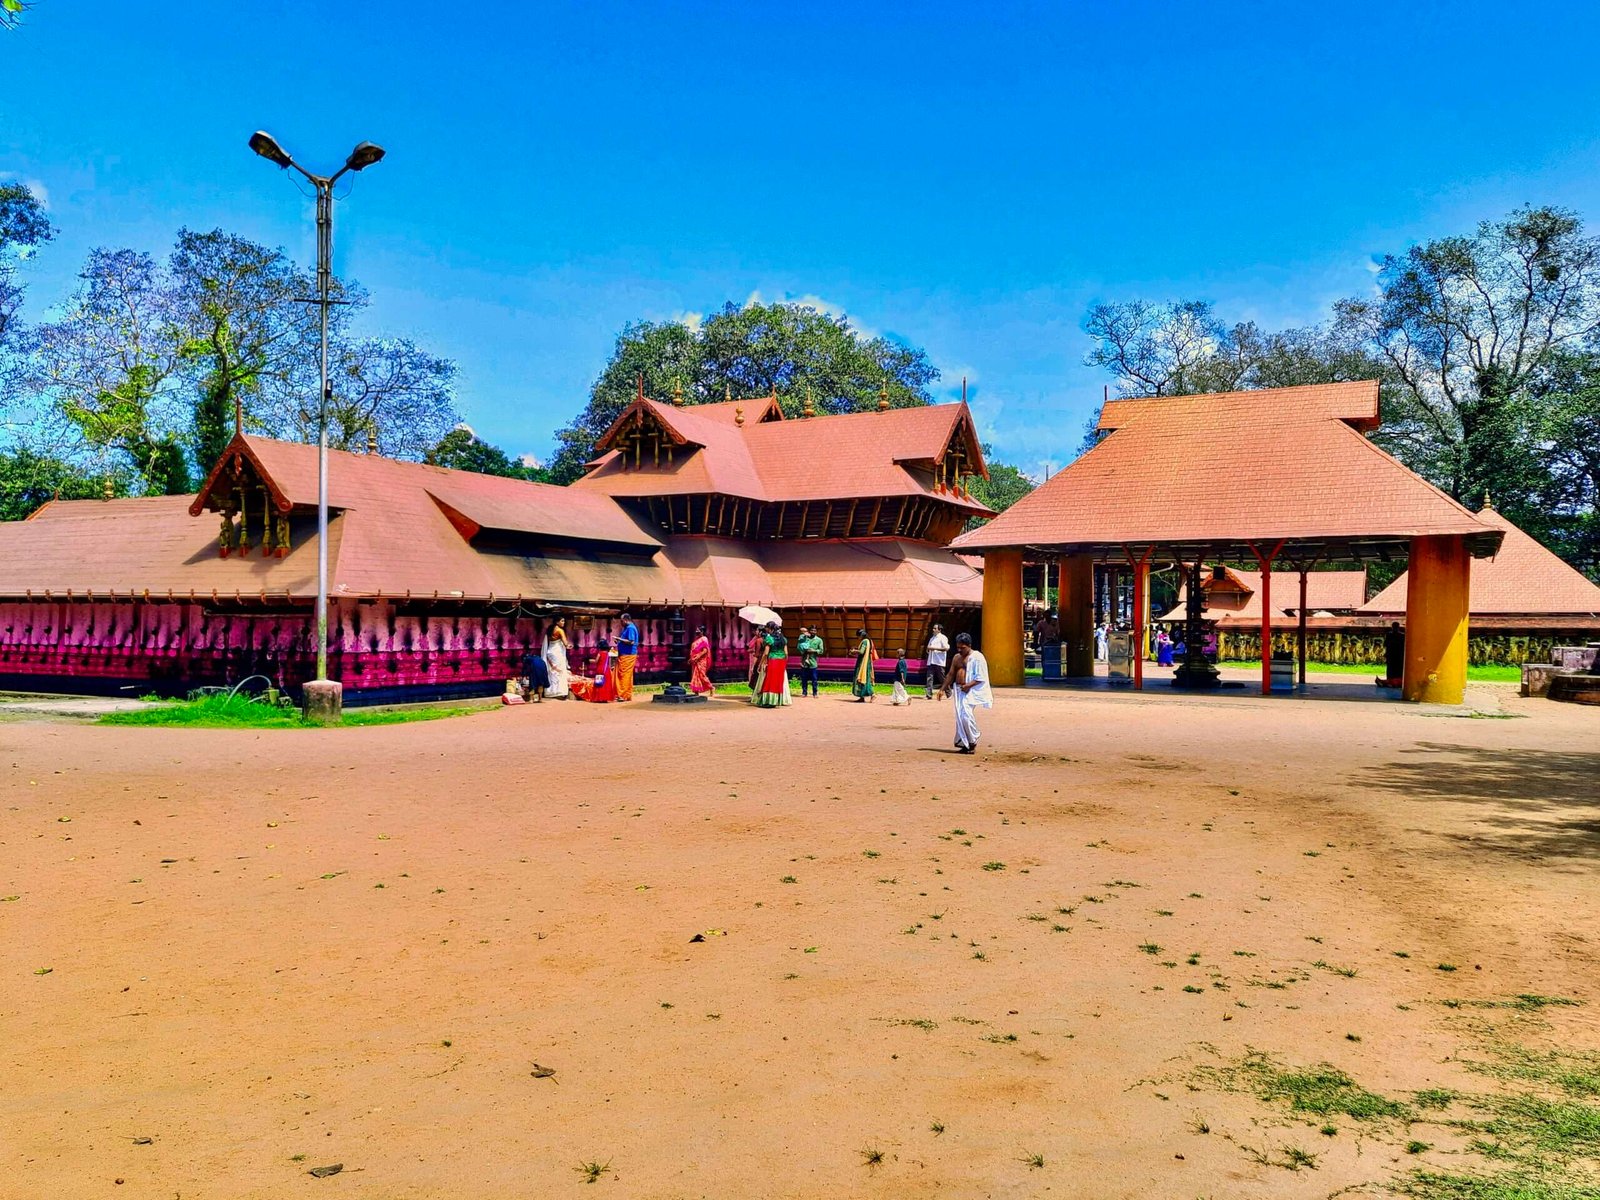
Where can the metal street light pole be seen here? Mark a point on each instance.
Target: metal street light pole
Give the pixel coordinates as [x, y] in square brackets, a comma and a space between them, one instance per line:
[361, 157]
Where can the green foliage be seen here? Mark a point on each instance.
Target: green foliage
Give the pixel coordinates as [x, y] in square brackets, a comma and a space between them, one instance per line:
[463, 450]
[1004, 487]
[1483, 346]
[1322, 1091]
[218, 711]
[29, 479]
[143, 369]
[755, 350]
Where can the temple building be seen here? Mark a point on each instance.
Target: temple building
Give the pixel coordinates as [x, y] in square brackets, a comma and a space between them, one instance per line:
[440, 580]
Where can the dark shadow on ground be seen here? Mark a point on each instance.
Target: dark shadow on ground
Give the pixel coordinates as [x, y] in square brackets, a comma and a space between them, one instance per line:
[1534, 803]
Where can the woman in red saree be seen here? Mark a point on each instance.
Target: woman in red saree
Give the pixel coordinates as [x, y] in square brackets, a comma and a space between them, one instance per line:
[603, 674]
[700, 664]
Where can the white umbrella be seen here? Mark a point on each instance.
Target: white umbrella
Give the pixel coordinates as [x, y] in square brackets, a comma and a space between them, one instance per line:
[757, 615]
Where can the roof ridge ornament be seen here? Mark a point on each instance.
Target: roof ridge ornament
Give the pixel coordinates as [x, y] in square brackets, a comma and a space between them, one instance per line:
[810, 409]
[677, 393]
[738, 416]
[883, 395]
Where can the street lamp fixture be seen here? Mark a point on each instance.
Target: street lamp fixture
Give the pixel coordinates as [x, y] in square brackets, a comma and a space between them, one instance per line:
[363, 156]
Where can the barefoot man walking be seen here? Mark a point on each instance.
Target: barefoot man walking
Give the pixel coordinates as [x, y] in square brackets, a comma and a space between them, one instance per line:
[968, 685]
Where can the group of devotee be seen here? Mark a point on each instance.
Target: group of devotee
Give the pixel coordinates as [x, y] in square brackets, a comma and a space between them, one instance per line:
[548, 673]
[959, 672]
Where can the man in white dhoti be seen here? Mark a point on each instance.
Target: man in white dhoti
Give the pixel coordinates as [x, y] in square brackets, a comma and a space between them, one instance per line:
[968, 685]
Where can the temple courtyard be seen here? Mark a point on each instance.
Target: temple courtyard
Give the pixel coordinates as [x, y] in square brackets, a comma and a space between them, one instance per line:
[1140, 945]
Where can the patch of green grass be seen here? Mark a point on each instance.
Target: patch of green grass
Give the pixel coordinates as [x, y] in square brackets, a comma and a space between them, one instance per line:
[1035, 1162]
[1434, 1098]
[1343, 972]
[217, 711]
[1150, 947]
[871, 1156]
[1322, 1091]
[1483, 673]
[1515, 1184]
[994, 866]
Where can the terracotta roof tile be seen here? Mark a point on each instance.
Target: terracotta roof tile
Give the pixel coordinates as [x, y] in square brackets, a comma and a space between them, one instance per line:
[1230, 468]
[1523, 578]
[841, 457]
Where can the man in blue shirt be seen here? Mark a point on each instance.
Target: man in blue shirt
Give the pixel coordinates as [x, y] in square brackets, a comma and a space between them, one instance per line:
[627, 657]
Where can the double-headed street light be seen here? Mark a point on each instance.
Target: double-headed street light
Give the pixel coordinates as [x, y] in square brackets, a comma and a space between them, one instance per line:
[361, 157]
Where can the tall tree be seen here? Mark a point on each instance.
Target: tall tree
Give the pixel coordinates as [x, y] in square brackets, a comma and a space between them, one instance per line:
[388, 389]
[753, 350]
[23, 228]
[247, 337]
[107, 369]
[1464, 324]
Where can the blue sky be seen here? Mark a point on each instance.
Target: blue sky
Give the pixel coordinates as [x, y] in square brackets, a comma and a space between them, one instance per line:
[966, 177]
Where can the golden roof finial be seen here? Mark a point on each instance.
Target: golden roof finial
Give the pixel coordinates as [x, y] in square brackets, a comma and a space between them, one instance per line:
[727, 391]
[883, 395]
[109, 491]
[677, 393]
[1488, 501]
[738, 415]
[810, 409]
[372, 437]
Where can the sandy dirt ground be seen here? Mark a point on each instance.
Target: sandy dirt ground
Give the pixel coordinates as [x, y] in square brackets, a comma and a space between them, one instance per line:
[272, 951]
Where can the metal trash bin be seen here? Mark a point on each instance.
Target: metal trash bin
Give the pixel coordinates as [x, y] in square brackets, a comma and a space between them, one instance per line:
[1119, 657]
[1283, 673]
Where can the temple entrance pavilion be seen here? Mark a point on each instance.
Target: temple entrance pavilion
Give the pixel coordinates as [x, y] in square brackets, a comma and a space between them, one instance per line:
[1283, 479]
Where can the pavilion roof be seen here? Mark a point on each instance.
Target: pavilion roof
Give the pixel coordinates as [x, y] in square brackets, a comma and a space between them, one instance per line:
[1523, 578]
[846, 456]
[1212, 475]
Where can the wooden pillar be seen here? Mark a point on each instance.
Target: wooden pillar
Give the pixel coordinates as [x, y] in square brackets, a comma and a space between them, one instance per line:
[1264, 561]
[1002, 616]
[1300, 631]
[1438, 594]
[1075, 604]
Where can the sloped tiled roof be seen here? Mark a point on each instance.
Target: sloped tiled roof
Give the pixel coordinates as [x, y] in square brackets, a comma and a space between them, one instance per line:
[148, 544]
[1523, 578]
[840, 457]
[397, 528]
[1230, 468]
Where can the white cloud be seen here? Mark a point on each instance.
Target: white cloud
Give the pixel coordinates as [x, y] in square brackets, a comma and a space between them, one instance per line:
[36, 186]
[692, 321]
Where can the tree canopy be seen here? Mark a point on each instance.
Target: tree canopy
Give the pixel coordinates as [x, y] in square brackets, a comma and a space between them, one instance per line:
[141, 371]
[1486, 348]
[463, 450]
[794, 350]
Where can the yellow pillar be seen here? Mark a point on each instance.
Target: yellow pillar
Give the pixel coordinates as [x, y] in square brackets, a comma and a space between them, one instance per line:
[1002, 616]
[1075, 605]
[1438, 589]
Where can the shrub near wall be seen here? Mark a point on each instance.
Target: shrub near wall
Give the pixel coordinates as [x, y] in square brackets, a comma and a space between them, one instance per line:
[1361, 646]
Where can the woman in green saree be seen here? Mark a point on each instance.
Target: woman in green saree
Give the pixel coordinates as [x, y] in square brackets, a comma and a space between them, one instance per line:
[862, 685]
[772, 687]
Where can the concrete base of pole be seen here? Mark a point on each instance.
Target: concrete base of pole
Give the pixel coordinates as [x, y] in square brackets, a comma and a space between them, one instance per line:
[324, 702]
